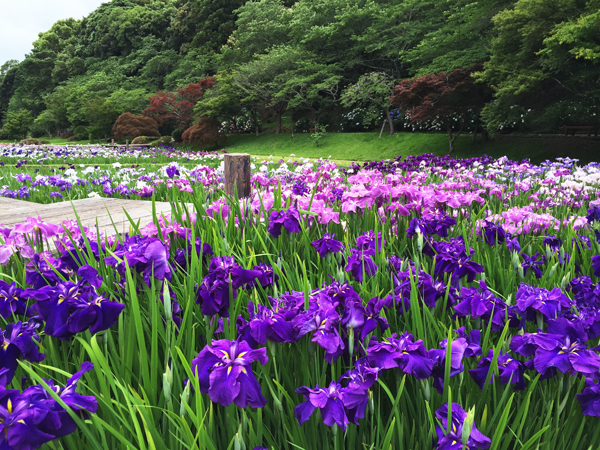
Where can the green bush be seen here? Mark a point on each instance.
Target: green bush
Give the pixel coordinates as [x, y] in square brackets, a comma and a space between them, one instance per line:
[140, 140]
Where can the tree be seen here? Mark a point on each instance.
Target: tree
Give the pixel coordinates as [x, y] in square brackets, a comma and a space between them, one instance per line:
[544, 57]
[17, 125]
[205, 133]
[372, 91]
[443, 97]
[101, 114]
[130, 126]
[4, 68]
[176, 108]
[226, 102]
[260, 79]
[47, 121]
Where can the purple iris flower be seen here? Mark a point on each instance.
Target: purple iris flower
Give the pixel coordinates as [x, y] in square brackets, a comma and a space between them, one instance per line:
[589, 399]
[439, 225]
[323, 321]
[481, 302]
[225, 373]
[327, 245]
[548, 303]
[593, 214]
[331, 402]
[267, 276]
[438, 357]
[42, 270]
[367, 241]
[266, 324]
[213, 291]
[533, 263]
[473, 342]
[356, 393]
[32, 418]
[182, 256]
[70, 308]
[560, 352]
[509, 368]
[402, 288]
[172, 171]
[289, 220]
[553, 242]
[360, 262]
[453, 440]
[596, 265]
[11, 302]
[147, 256]
[17, 342]
[451, 257]
[512, 243]
[493, 234]
[404, 352]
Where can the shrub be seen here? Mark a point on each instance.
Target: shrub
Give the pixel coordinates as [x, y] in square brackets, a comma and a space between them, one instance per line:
[66, 135]
[165, 140]
[205, 133]
[177, 134]
[129, 126]
[81, 133]
[31, 141]
[140, 140]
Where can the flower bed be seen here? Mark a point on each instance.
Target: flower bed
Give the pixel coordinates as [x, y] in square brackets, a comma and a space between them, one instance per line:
[418, 303]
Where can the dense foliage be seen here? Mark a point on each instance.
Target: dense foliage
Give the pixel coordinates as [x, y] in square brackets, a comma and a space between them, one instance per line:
[296, 64]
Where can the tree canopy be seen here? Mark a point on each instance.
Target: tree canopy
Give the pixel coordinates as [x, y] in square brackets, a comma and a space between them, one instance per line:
[320, 59]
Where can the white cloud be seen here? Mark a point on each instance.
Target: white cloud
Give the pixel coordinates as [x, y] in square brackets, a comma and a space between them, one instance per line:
[22, 21]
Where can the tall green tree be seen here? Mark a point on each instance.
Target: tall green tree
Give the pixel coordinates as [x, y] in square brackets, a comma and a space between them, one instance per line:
[543, 59]
[17, 124]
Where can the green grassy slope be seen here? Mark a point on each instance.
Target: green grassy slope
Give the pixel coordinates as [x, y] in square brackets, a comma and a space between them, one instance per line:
[368, 146]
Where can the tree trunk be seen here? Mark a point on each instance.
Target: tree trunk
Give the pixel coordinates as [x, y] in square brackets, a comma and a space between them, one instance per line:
[279, 114]
[450, 139]
[390, 122]
[382, 127]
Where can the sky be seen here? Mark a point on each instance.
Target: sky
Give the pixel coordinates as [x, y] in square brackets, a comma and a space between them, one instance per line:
[22, 20]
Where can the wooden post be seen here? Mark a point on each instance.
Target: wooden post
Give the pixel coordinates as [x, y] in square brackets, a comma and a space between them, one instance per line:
[237, 173]
[26, 141]
[127, 143]
[112, 142]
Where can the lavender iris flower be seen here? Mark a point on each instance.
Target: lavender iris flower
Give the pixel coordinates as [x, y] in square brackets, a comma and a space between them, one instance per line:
[289, 220]
[509, 368]
[453, 440]
[225, 373]
[327, 245]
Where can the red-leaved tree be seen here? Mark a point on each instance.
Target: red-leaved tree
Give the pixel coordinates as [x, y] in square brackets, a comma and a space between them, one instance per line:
[177, 108]
[443, 97]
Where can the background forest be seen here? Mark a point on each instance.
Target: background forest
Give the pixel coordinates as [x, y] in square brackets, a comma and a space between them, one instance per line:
[274, 65]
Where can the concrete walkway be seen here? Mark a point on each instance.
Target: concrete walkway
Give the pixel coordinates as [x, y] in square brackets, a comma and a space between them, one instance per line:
[89, 210]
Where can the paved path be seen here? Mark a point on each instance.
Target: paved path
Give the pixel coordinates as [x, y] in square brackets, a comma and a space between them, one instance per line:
[89, 210]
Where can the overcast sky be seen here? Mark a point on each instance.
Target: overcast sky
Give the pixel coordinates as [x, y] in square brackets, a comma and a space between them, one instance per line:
[22, 20]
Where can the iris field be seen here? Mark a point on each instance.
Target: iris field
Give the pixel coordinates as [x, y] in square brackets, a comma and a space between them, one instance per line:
[419, 303]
